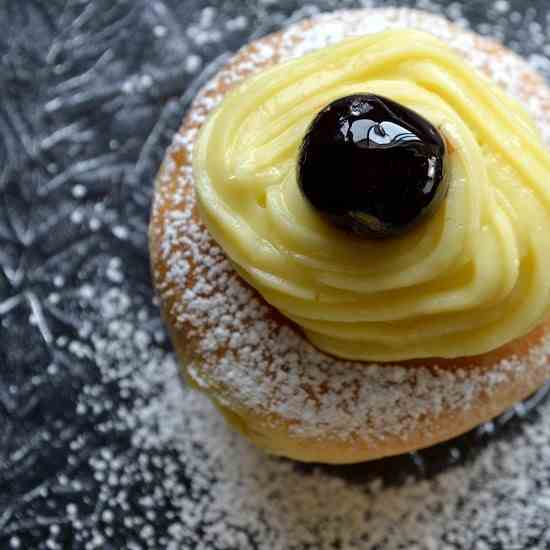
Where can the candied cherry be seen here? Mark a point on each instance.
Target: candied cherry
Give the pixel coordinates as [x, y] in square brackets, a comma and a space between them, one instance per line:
[372, 166]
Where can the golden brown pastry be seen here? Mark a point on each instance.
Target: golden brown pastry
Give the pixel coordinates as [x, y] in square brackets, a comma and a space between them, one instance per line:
[466, 285]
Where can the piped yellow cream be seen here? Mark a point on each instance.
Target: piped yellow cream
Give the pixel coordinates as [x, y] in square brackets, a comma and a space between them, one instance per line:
[471, 278]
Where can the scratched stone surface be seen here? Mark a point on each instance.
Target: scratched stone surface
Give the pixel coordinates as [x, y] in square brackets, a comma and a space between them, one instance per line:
[90, 454]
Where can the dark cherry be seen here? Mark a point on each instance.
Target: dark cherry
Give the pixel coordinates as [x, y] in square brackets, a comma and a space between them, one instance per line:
[372, 166]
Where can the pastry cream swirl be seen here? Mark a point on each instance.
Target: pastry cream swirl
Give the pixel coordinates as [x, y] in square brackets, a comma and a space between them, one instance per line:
[470, 279]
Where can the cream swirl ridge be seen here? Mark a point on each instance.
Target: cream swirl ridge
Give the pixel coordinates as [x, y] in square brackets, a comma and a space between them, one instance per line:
[468, 280]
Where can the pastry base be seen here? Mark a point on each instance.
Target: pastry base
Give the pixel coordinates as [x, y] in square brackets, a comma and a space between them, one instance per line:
[472, 390]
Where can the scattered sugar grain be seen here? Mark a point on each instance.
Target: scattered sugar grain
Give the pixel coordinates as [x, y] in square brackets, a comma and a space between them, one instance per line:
[192, 63]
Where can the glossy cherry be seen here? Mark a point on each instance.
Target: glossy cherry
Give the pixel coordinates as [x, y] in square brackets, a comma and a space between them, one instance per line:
[372, 166]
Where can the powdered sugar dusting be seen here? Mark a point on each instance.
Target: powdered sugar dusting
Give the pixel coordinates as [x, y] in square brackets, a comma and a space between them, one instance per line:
[257, 361]
[218, 492]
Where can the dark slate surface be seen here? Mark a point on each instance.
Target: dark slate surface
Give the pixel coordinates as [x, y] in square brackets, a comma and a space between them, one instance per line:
[90, 94]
